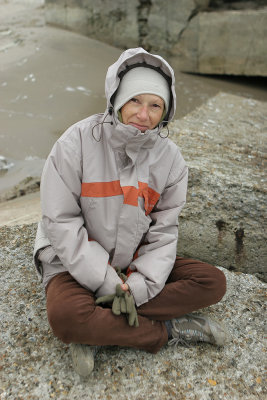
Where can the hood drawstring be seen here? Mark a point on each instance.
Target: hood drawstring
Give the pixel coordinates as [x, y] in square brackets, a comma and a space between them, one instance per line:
[110, 110]
[163, 126]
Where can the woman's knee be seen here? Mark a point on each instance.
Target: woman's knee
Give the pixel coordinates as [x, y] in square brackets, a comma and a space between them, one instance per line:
[66, 320]
[216, 282]
[61, 322]
[69, 306]
[221, 283]
[210, 280]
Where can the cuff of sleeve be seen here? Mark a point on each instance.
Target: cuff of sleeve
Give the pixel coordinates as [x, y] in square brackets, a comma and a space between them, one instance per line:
[138, 288]
[109, 284]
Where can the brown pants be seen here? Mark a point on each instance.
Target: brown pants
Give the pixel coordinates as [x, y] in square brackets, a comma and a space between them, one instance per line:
[74, 316]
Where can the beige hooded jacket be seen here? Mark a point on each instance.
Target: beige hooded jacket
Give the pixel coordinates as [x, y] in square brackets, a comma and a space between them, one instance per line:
[111, 196]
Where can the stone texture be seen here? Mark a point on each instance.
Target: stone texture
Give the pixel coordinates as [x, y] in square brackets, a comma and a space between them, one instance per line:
[28, 185]
[166, 20]
[236, 4]
[152, 24]
[35, 365]
[228, 42]
[21, 210]
[224, 221]
[113, 22]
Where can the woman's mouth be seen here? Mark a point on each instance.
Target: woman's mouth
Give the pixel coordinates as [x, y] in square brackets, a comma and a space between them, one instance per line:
[141, 128]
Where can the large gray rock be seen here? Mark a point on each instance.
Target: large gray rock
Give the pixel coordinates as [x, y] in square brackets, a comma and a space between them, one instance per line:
[152, 24]
[38, 366]
[228, 42]
[224, 221]
[163, 22]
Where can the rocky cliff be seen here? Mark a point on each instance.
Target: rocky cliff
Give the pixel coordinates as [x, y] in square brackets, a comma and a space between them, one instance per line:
[203, 36]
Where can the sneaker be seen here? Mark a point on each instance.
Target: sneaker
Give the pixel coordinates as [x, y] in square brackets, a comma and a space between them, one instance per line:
[83, 358]
[196, 328]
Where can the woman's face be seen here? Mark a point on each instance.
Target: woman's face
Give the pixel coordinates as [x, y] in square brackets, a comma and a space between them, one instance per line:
[143, 111]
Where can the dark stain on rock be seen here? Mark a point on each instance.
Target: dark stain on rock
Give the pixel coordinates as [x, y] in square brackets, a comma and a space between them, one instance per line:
[143, 11]
[221, 224]
[231, 268]
[239, 235]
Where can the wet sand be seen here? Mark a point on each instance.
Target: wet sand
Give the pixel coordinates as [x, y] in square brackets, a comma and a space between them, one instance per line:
[51, 78]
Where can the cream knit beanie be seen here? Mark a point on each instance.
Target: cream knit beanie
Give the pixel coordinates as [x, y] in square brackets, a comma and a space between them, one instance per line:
[141, 80]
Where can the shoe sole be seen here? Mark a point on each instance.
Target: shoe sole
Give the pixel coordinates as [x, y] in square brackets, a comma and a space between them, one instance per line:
[82, 359]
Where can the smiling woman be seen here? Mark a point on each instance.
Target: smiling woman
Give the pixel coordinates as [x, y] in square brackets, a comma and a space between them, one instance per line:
[143, 111]
[142, 98]
[106, 245]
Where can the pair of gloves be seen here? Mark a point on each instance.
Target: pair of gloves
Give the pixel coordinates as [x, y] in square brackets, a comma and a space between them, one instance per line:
[122, 302]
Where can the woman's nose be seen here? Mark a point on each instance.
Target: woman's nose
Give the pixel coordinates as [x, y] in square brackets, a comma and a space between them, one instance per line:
[143, 113]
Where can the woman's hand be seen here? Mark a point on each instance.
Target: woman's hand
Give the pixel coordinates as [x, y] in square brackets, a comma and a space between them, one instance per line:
[125, 287]
[122, 303]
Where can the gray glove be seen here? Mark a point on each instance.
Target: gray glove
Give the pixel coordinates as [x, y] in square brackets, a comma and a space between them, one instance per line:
[122, 303]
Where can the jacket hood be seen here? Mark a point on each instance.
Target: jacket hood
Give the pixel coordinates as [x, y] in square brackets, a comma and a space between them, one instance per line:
[132, 57]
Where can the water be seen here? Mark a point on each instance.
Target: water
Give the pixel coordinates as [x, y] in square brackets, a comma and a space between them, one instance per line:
[51, 78]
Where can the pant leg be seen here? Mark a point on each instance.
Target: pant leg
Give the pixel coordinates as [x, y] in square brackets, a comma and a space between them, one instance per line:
[191, 285]
[74, 318]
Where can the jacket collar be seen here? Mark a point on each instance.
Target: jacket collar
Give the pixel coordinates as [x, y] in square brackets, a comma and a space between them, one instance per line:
[129, 139]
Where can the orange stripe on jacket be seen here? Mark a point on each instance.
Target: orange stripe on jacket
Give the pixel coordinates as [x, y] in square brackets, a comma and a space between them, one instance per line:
[101, 189]
[130, 193]
[151, 196]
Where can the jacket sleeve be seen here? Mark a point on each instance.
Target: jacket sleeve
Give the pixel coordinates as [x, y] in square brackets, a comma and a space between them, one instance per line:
[86, 261]
[157, 255]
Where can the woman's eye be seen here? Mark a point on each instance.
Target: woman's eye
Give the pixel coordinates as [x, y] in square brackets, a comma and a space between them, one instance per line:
[156, 105]
[134, 100]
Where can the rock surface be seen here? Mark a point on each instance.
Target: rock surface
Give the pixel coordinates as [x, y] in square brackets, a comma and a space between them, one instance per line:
[35, 365]
[228, 39]
[28, 185]
[21, 210]
[111, 22]
[224, 221]
[226, 43]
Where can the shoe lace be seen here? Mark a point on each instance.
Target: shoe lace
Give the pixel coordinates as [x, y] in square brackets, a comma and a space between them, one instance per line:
[177, 341]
